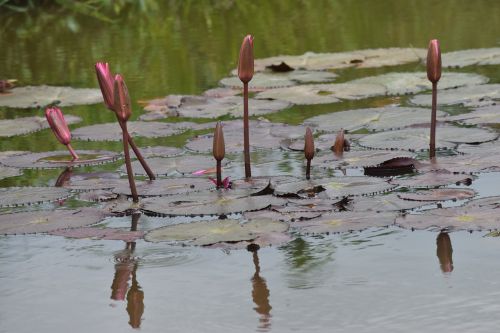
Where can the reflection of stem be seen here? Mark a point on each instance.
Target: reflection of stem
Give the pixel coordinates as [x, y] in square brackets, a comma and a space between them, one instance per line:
[246, 133]
[137, 153]
[219, 174]
[135, 221]
[72, 152]
[444, 252]
[308, 170]
[432, 146]
[135, 301]
[128, 164]
[64, 177]
[260, 296]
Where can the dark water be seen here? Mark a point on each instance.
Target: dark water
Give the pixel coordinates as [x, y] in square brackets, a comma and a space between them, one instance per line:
[379, 280]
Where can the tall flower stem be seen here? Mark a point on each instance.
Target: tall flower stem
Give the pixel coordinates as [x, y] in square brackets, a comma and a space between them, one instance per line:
[432, 146]
[72, 152]
[308, 170]
[219, 174]
[128, 164]
[138, 154]
[246, 133]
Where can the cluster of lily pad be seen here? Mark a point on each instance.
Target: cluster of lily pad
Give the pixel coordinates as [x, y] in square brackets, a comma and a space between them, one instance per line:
[380, 179]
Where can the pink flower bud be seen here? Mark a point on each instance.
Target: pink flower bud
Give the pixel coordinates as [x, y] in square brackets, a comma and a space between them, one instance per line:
[58, 125]
[245, 63]
[106, 83]
[434, 61]
[121, 104]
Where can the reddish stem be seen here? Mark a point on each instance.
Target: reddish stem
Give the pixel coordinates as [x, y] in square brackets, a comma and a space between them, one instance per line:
[128, 164]
[432, 145]
[246, 133]
[219, 174]
[308, 170]
[72, 152]
[138, 154]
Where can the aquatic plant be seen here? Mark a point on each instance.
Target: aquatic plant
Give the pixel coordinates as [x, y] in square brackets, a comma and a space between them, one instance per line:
[219, 152]
[60, 129]
[433, 74]
[308, 150]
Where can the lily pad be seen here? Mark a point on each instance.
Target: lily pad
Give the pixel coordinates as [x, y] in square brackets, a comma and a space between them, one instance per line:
[417, 139]
[210, 232]
[433, 179]
[161, 187]
[25, 125]
[382, 203]
[357, 159]
[268, 80]
[100, 234]
[20, 196]
[7, 172]
[97, 196]
[374, 119]
[463, 58]
[471, 96]
[414, 82]
[345, 222]
[439, 194]
[489, 115]
[113, 131]
[59, 159]
[41, 96]
[469, 164]
[278, 216]
[45, 221]
[337, 187]
[160, 151]
[481, 214]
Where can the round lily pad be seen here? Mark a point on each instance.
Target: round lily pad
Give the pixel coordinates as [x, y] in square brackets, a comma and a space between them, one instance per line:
[417, 139]
[97, 196]
[267, 80]
[160, 151]
[481, 214]
[334, 187]
[59, 159]
[281, 216]
[463, 58]
[41, 96]
[99, 233]
[381, 203]
[470, 164]
[210, 232]
[25, 125]
[95, 181]
[439, 194]
[20, 196]
[345, 222]
[357, 159]
[433, 179]
[414, 82]
[161, 187]
[488, 115]
[45, 221]
[6, 172]
[472, 96]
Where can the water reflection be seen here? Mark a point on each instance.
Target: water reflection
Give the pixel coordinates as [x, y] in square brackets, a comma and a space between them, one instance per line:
[260, 295]
[64, 177]
[126, 268]
[444, 252]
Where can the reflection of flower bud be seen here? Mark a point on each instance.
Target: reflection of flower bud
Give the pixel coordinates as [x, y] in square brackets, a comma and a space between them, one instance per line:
[309, 144]
[434, 61]
[121, 104]
[120, 281]
[444, 252]
[245, 63]
[106, 82]
[58, 125]
[219, 149]
[135, 303]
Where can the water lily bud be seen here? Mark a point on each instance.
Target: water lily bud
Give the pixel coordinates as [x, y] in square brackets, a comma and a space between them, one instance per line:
[434, 61]
[309, 144]
[245, 63]
[219, 148]
[121, 104]
[340, 143]
[58, 125]
[106, 83]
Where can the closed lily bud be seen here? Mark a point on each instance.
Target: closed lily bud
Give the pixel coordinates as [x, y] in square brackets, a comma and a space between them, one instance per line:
[106, 83]
[339, 145]
[121, 104]
[245, 63]
[434, 61]
[219, 149]
[58, 125]
[309, 144]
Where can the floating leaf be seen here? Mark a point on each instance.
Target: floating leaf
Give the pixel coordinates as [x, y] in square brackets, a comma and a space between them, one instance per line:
[221, 92]
[489, 115]
[210, 232]
[160, 151]
[6, 172]
[41, 96]
[440, 194]
[100, 233]
[97, 196]
[344, 222]
[433, 179]
[470, 164]
[281, 68]
[381, 203]
[392, 167]
[414, 82]
[417, 139]
[472, 96]
[462, 58]
[266, 80]
[19, 196]
[357, 159]
[161, 187]
[374, 119]
[25, 125]
[278, 216]
[45, 221]
[60, 159]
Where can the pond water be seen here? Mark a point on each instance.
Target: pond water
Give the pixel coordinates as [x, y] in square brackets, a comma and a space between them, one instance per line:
[386, 279]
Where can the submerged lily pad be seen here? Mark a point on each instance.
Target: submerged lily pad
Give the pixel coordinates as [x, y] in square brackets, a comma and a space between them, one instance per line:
[489, 115]
[336, 187]
[41, 96]
[100, 233]
[417, 139]
[267, 80]
[210, 232]
[7, 172]
[374, 119]
[20, 196]
[113, 131]
[481, 214]
[59, 159]
[462, 58]
[439, 194]
[472, 96]
[345, 222]
[45, 221]
[25, 125]
[414, 82]
[357, 159]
